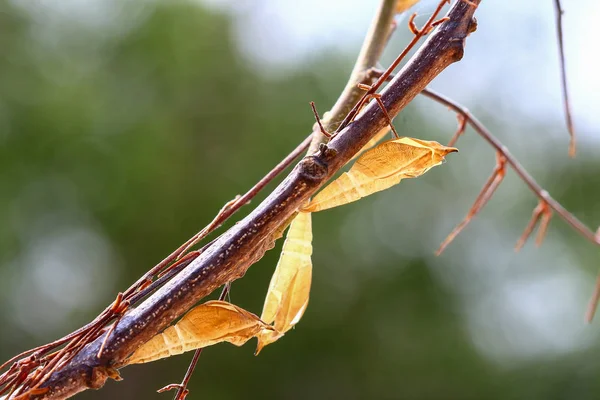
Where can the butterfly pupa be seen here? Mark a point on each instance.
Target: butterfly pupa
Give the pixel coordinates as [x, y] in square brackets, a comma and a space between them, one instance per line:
[205, 325]
[379, 168]
[289, 290]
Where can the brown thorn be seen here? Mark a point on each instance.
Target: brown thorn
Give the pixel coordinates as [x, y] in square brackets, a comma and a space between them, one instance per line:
[412, 26]
[541, 213]
[440, 21]
[144, 285]
[182, 390]
[124, 306]
[192, 255]
[462, 126]
[377, 98]
[544, 222]
[535, 217]
[386, 74]
[484, 196]
[318, 119]
[593, 304]
[563, 76]
[170, 386]
[117, 303]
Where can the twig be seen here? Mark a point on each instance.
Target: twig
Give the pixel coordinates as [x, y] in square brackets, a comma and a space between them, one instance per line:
[544, 197]
[515, 165]
[541, 213]
[484, 196]
[182, 390]
[371, 50]
[388, 72]
[563, 75]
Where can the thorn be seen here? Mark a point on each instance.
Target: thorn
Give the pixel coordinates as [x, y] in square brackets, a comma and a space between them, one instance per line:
[462, 126]
[412, 26]
[377, 98]
[563, 78]
[118, 308]
[484, 196]
[593, 304]
[171, 386]
[546, 216]
[439, 22]
[117, 303]
[542, 213]
[191, 254]
[323, 131]
[144, 285]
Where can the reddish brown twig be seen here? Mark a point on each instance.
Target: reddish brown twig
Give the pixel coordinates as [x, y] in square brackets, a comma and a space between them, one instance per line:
[541, 213]
[515, 165]
[593, 303]
[542, 194]
[182, 390]
[563, 75]
[377, 98]
[318, 119]
[484, 196]
[118, 308]
[388, 72]
[462, 126]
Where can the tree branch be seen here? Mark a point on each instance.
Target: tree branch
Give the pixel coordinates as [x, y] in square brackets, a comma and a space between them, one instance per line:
[231, 254]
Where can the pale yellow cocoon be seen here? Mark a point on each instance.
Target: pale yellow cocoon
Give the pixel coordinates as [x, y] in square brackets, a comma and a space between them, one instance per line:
[379, 168]
[289, 290]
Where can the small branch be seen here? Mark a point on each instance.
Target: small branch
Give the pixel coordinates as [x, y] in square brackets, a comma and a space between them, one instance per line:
[489, 188]
[371, 50]
[515, 165]
[182, 390]
[547, 204]
[419, 33]
[563, 74]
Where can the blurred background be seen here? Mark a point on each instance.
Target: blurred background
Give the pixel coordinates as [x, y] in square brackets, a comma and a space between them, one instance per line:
[125, 126]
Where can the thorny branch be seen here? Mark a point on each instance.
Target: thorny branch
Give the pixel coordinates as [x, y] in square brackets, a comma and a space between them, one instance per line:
[228, 257]
[542, 194]
[372, 48]
[546, 205]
